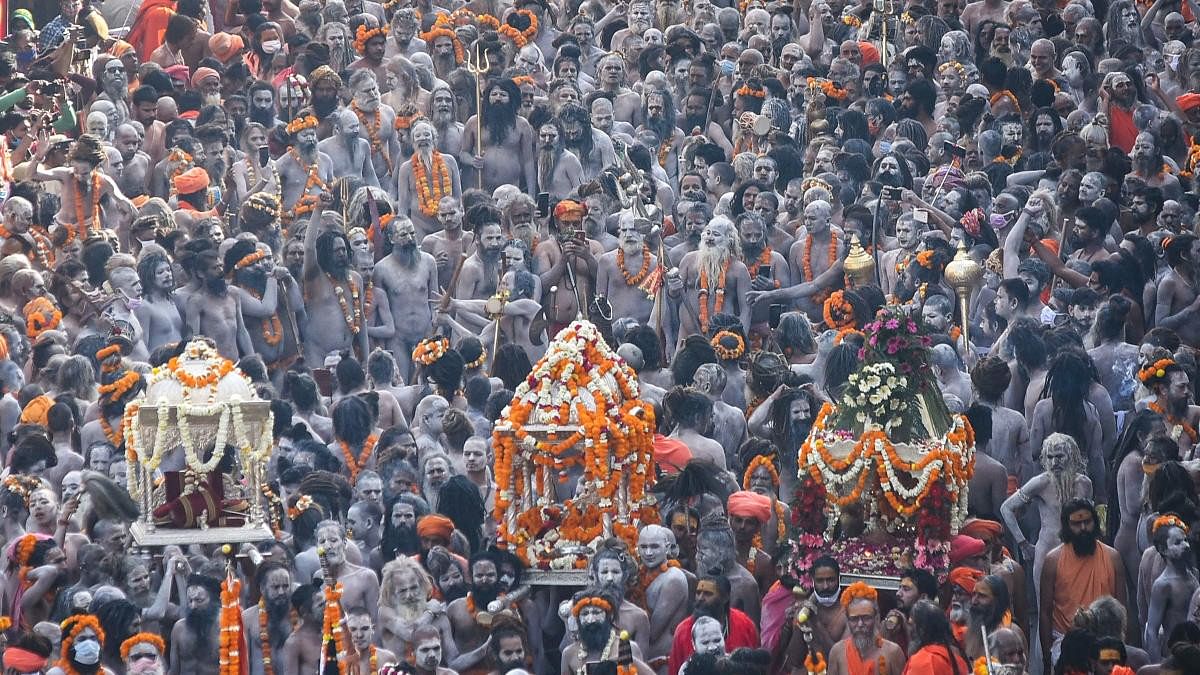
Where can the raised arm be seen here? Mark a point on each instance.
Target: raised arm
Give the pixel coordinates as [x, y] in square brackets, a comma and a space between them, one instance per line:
[311, 269]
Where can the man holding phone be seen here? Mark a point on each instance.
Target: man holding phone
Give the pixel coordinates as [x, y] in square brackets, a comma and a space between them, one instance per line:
[62, 27]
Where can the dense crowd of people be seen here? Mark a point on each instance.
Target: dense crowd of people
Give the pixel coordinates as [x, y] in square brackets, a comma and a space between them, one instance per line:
[384, 213]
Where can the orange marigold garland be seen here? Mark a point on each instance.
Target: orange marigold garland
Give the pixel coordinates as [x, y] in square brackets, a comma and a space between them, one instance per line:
[71, 627]
[373, 124]
[634, 279]
[1169, 520]
[1156, 370]
[353, 465]
[838, 311]
[703, 290]
[429, 350]
[332, 631]
[114, 390]
[365, 35]
[431, 185]
[723, 350]
[1187, 427]
[442, 29]
[814, 663]
[352, 312]
[140, 638]
[230, 652]
[80, 215]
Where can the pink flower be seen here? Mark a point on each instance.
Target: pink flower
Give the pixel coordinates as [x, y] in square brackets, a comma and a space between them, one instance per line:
[892, 324]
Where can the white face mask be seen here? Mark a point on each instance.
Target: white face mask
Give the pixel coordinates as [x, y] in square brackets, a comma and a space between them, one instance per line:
[272, 46]
[829, 601]
[87, 652]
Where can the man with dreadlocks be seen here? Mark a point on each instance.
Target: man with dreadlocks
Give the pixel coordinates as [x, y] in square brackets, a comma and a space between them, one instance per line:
[91, 200]
[268, 623]
[1169, 384]
[507, 143]
[591, 146]
[195, 639]
[331, 289]
[212, 310]
[1061, 481]
[261, 287]
[1067, 410]
[658, 117]
[612, 568]
[118, 386]
[371, 44]
[157, 312]
[599, 640]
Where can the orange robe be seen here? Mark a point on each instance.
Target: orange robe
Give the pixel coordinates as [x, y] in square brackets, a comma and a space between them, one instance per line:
[149, 26]
[1079, 581]
[934, 660]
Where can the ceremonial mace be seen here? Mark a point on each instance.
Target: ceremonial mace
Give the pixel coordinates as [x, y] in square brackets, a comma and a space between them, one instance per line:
[478, 67]
[964, 274]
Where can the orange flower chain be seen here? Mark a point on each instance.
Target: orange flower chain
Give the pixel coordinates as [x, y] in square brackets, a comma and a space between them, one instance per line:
[588, 398]
[332, 631]
[353, 465]
[949, 458]
[82, 226]
[373, 124]
[230, 655]
[433, 183]
[634, 279]
[704, 289]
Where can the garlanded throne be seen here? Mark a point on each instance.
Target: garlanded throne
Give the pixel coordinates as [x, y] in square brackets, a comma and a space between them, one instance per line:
[197, 444]
[574, 453]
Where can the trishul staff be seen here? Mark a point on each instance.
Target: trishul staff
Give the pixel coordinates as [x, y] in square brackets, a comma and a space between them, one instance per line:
[478, 66]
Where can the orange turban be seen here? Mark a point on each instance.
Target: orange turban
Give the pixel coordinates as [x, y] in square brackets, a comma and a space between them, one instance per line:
[870, 53]
[35, 411]
[190, 181]
[569, 207]
[435, 525]
[746, 504]
[981, 529]
[965, 578]
[1188, 101]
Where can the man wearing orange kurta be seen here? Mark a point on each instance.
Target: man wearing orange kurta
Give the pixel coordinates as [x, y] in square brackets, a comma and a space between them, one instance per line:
[1075, 573]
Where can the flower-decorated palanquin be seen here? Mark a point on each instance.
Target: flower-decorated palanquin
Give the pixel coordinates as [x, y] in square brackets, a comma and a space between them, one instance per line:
[197, 445]
[890, 453]
[574, 453]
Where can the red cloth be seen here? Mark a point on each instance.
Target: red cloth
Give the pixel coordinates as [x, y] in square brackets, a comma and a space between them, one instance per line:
[741, 633]
[963, 546]
[671, 454]
[150, 26]
[934, 660]
[774, 613]
[1121, 129]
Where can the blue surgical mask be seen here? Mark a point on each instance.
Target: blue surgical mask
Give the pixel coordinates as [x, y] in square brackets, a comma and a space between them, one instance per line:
[87, 652]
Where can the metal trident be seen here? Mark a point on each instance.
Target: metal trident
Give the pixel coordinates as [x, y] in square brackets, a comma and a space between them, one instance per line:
[477, 66]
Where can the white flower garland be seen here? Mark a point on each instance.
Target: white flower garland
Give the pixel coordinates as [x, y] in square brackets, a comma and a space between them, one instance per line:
[185, 435]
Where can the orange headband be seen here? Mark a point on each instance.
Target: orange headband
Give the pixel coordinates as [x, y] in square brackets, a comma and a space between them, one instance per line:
[591, 602]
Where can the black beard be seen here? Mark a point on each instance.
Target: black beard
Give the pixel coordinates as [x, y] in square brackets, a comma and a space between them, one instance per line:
[401, 541]
[484, 595]
[278, 625]
[338, 269]
[324, 106]
[889, 179]
[499, 120]
[595, 635]
[978, 617]
[85, 669]
[264, 116]
[661, 127]
[907, 112]
[296, 269]
[490, 256]
[507, 667]
[751, 251]
[1084, 543]
[201, 621]
[1145, 164]
[216, 286]
[693, 122]
[254, 279]
[798, 431]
